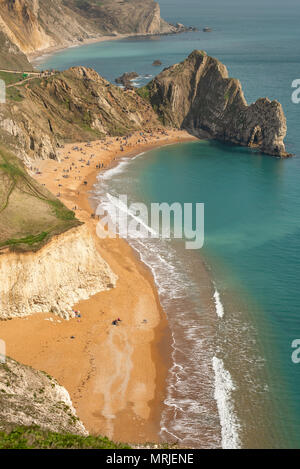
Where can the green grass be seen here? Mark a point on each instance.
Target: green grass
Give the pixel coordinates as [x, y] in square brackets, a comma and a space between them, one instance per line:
[36, 438]
[11, 169]
[61, 211]
[29, 214]
[14, 94]
[11, 78]
[144, 93]
[29, 240]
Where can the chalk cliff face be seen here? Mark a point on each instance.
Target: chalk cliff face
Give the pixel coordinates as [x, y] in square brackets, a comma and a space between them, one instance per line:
[35, 25]
[30, 397]
[65, 271]
[198, 95]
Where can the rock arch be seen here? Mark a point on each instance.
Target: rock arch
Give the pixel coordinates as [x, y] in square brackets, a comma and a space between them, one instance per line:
[256, 138]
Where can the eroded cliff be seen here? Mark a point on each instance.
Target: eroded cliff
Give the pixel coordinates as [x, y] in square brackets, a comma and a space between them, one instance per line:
[68, 269]
[198, 95]
[35, 25]
[11, 57]
[30, 397]
[75, 105]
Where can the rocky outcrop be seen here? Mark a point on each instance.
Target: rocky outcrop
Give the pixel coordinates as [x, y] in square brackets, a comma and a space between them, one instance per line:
[36, 25]
[65, 271]
[30, 397]
[76, 105]
[126, 79]
[197, 95]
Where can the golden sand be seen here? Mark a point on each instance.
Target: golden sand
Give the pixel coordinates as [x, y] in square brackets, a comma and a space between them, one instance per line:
[116, 376]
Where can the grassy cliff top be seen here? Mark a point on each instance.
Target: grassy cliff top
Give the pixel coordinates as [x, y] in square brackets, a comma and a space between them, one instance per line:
[36, 438]
[29, 214]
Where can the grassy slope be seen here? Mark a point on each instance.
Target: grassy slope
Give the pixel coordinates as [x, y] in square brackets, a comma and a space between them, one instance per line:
[36, 438]
[69, 103]
[77, 101]
[11, 78]
[29, 214]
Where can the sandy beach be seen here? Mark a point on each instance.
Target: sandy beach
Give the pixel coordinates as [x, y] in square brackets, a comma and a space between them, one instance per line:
[35, 57]
[116, 376]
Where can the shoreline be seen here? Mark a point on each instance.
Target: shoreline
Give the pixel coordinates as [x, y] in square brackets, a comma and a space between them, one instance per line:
[35, 57]
[38, 55]
[136, 418]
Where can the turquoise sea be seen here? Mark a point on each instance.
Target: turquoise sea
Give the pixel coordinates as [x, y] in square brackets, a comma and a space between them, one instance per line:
[233, 307]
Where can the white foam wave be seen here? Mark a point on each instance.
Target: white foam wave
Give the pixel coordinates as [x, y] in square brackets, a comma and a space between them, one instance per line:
[109, 173]
[187, 410]
[223, 395]
[219, 305]
[119, 168]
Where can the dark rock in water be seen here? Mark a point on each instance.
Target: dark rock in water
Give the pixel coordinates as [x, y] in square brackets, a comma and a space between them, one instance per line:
[197, 95]
[181, 28]
[207, 30]
[126, 79]
[157, 63]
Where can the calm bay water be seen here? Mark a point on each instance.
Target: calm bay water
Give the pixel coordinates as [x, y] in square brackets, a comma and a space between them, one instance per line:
[252, 216]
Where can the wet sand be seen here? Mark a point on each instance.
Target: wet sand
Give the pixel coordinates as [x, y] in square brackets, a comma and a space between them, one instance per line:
[116, 376]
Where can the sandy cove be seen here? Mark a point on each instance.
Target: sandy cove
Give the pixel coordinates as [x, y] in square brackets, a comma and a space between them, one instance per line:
[116, 376]
[39, 55]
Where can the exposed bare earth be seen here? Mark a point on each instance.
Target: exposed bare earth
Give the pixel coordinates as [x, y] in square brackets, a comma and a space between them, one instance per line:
[31, 26]
[115, 375]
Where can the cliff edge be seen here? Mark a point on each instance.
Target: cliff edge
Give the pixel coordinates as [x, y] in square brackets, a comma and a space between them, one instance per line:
[198, 95]
[62, 273]
[32, 26]
[30, 397]
[76, 105]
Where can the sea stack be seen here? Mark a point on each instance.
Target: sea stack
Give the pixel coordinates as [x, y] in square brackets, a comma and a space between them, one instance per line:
[197, 95]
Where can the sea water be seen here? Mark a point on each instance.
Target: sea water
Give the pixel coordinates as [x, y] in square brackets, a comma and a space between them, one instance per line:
[233, 307]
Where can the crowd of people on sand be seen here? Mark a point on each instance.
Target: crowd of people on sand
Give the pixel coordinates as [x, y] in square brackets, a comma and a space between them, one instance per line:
[106, 144]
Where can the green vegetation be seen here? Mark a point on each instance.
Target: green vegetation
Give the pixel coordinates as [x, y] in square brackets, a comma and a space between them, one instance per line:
[12, 93]
[36, 438]
[61, 211]
[29, 214]
[144, 92]
[11, 78]
[30, 240]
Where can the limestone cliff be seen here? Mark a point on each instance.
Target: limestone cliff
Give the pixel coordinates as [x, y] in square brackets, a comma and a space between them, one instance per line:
[36, 25]
[68, 269]
[11, 57]
[198, 95]
[30, 397]
[76, 105]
